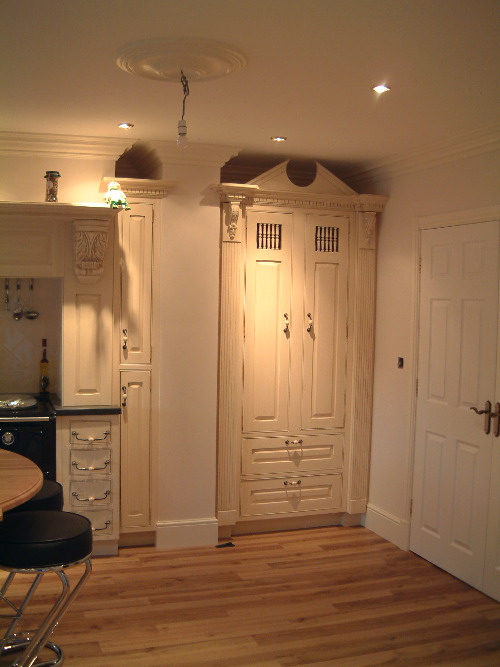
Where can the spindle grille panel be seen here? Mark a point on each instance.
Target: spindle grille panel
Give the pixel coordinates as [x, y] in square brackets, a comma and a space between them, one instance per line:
[327, 239]
[268, 236]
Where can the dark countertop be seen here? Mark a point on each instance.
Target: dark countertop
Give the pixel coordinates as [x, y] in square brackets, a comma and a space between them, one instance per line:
[63, 411]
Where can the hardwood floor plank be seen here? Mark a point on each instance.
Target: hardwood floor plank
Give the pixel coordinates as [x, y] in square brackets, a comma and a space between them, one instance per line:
[327, 596]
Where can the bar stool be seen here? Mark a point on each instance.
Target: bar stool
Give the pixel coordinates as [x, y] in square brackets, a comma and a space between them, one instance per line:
[37, 543]
[50, 497]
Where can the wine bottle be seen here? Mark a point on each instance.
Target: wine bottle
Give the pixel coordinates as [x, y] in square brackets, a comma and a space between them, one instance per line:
[44, 368]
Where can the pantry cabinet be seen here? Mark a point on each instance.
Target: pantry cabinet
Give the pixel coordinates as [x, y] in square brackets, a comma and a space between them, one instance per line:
[296, 357]
[135, 299]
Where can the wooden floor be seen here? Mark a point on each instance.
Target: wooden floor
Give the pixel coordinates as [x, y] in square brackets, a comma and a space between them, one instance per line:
[328, 596]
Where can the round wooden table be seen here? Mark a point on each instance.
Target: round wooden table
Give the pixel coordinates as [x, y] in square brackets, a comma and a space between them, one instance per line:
[20, 480]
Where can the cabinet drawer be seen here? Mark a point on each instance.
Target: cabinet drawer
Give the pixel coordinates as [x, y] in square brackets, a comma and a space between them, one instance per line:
[87, 493]
[291, 495]
[102, 521]
[90, 461]
[292, 454]
[90, 432]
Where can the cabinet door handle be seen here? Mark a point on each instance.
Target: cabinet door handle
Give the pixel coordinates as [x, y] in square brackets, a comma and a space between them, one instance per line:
[106, 524]
[293, 442]
[124, 396]
[91, 438]
[125, 339]
[91, 468]
[297, 483]
[90, 499]
[310, 324]
[286, 330]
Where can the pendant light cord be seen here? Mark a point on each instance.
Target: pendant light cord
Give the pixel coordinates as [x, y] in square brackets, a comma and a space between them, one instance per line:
[185, 88]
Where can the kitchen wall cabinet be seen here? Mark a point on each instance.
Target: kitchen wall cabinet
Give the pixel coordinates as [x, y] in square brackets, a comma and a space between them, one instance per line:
[88, 464]
[296, 357]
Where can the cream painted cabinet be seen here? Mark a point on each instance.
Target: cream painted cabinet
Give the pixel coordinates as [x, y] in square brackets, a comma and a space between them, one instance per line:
[136, 236]
[135, 243]
[88, 450]
[135, 449]
[296, 357]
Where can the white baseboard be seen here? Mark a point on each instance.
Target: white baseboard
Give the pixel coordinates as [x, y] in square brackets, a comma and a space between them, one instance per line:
[188, 533]
[388, 526]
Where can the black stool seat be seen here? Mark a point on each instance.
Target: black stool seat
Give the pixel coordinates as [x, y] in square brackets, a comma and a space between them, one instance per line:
[50, 497]
[42, 539]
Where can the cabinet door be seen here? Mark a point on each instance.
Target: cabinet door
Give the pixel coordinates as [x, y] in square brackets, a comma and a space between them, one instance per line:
[136, 235]
[88, 327]
[268, 321]
[135, 449]
[324, 321]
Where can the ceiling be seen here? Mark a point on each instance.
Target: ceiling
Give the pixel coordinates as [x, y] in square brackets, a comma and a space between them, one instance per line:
[310, 68]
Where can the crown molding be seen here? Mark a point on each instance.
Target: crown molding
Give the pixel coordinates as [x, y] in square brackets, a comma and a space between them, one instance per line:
[467, 144]
[147, 188]
[61, 146]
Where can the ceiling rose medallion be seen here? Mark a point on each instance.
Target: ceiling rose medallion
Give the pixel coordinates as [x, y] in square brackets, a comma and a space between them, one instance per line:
[163, 59]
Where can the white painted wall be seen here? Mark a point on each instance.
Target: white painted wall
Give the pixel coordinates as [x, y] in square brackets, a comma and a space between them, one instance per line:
[461, 185]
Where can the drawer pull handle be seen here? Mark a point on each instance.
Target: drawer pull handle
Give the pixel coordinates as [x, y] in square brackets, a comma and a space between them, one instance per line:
[293, 442]
[297, 483]
[90, 499]
[91, 468]
[91, 439]
[106, 524]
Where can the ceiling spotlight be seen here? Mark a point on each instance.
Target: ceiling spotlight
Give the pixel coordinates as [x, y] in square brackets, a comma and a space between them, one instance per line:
[126, 126]
[182, 139]
[278, 139]
[381, 88]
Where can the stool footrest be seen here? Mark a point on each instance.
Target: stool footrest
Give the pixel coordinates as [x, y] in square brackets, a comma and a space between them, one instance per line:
[21, 641]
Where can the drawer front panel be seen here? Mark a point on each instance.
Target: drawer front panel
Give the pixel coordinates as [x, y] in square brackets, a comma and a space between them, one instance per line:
[87, 493]
[291, 495]
[90, 461]
[90, 432]
[102, 521]
[292, 454]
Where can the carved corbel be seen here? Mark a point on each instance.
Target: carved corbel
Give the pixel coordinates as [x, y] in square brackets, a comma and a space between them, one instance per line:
[369, 221]
[232, 213]
[90, 241]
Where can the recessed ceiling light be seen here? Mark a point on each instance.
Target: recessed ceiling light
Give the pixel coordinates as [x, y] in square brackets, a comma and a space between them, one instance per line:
[381, 88]
[278, 139]
[126, 126]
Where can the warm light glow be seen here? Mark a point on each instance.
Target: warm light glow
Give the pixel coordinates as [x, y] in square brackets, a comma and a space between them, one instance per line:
[381, 88]
[278, 139]
[126, 126]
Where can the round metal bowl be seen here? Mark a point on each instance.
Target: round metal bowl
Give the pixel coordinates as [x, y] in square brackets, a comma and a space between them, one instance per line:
[16, 401]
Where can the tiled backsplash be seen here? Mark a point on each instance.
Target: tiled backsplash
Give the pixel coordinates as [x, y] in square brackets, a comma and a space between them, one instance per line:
[21, 340]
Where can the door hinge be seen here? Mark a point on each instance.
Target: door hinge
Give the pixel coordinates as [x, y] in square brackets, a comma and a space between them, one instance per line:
[411, 507]
[416, 387]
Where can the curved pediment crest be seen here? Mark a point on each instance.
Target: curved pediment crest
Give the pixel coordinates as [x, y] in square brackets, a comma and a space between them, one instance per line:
[324, 183]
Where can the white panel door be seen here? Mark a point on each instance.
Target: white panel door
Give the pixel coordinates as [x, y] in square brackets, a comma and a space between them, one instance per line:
[454, 471]
[268, 322]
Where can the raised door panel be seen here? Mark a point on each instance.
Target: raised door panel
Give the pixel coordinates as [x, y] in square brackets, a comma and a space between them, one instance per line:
[88, 327]
[268, 322]
[325, 322]
[135, 449]
[136, 234]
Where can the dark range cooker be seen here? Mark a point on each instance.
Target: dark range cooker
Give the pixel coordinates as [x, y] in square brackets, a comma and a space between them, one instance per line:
[28, 427]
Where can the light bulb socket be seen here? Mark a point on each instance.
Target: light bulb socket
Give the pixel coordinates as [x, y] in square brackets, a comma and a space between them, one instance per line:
[182, 139]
